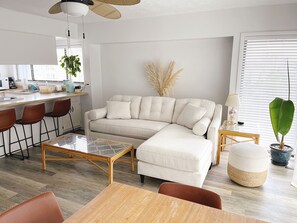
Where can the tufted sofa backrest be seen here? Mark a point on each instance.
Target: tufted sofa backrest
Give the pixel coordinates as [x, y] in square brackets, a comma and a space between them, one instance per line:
[162, 109]
[181, 103]
[157, 109]
[135, 103]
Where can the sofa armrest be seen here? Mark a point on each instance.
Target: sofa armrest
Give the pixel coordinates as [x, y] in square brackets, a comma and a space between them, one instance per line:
[212, 133]
[93, 115]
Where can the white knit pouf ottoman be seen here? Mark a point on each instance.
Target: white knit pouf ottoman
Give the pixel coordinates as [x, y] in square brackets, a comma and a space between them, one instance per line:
[248, 164]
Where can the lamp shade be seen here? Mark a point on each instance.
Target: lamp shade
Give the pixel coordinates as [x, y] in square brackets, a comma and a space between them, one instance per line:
[74, 8]
[232, 101]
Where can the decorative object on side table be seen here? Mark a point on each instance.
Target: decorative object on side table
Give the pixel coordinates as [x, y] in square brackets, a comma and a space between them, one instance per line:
[71, 64]
[233, 102]
[162, 82]
[281, 115]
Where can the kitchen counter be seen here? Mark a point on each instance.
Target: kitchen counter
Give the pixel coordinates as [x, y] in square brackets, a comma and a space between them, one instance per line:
[22, 98]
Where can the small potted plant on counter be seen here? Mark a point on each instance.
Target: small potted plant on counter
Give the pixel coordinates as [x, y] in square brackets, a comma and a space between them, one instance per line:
[281, 115]
[71, 64]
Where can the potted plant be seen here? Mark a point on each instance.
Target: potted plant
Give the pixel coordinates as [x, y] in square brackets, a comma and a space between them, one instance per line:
[71, 64]
[281, 115]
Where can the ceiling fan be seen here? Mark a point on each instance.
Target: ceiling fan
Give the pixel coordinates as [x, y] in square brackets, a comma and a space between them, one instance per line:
[100, 7]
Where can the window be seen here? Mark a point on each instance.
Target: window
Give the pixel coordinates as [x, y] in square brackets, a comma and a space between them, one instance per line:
[50, 72]
[264, 77]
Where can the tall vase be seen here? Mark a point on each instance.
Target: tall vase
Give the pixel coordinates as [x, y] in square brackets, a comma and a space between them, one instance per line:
[69, 86]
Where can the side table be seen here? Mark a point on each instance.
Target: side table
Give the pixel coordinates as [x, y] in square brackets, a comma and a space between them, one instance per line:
[227, 131]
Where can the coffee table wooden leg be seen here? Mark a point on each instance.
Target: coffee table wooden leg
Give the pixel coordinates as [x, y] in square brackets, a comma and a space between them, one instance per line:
[43, 157]
[110, 172]
[132, 159]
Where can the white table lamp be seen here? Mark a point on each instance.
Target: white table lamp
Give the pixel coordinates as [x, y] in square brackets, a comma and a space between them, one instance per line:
[233, 102]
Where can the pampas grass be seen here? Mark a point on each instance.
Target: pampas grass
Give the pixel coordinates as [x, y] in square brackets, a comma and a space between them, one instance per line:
[162, 82]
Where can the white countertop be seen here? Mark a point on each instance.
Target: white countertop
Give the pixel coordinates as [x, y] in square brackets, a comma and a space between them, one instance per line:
[27, 98]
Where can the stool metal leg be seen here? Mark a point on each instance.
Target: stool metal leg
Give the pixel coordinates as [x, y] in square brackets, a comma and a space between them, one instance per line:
[18, 138]
[25, 136]
[40, 128]
[4, 144]
[71, 121]
[32, 140]
[22, 157]
[46, 129]
[55, 126]
[58, 129]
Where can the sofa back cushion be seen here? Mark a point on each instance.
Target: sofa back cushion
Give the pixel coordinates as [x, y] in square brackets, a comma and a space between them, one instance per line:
[135, 103]
[190, 115]
[118, 110]
[181, 103]
[157, 109]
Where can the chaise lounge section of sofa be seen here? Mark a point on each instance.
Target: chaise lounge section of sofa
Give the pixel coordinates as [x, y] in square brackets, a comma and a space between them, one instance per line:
[176, 139]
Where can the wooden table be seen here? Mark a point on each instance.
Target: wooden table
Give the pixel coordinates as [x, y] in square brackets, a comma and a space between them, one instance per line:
[247, 131]
[123, 203]
[81, 147]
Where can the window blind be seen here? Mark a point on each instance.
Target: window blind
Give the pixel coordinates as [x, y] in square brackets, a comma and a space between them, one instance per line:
[264, 77]
[26, 48]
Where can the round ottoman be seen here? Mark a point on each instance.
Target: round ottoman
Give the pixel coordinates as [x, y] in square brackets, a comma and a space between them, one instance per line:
[248, 164]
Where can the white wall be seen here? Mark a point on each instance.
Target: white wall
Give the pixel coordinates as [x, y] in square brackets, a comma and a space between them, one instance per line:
[123, 67]
[22, 22]
[194, 26]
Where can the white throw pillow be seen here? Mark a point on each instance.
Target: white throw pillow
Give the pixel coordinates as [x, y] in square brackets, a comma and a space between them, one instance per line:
[200, 128]
[190, 115]
[118, 110]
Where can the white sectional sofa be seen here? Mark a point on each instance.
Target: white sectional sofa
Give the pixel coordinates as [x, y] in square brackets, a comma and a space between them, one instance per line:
[176, 139]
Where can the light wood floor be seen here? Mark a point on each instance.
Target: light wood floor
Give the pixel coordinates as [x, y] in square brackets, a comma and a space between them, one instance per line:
[77, 182]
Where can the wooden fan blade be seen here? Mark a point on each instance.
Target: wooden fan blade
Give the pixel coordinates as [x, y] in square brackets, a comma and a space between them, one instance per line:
[105, 10]
[56, 8]
[120, 2]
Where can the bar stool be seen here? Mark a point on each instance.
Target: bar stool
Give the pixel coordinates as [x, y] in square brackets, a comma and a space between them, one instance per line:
[61, 108]
[7, 121]
[33, 114]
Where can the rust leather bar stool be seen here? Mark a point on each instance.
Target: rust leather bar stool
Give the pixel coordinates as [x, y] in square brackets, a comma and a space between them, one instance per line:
[7, 121]
[33, 114]
[61, 108]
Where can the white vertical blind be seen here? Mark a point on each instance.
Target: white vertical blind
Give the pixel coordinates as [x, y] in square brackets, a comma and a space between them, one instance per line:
[264, 77]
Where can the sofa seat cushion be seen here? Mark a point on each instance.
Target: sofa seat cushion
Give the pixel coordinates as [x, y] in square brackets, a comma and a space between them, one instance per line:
[139, 129]
[176, 147]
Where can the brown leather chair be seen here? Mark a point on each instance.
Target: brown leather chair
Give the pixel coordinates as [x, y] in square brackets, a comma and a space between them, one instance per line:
[42, 208]
[190, 193]
[7, 121]
[33, 114]
[61, 108]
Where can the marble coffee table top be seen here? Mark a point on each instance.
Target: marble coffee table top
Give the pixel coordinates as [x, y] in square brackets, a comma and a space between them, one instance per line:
[90, 145]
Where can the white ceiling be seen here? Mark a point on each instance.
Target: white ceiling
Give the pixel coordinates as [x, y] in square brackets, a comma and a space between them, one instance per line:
[147, 8]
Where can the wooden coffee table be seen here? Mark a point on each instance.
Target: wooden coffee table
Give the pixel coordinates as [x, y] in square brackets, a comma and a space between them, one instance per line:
[81, 147]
